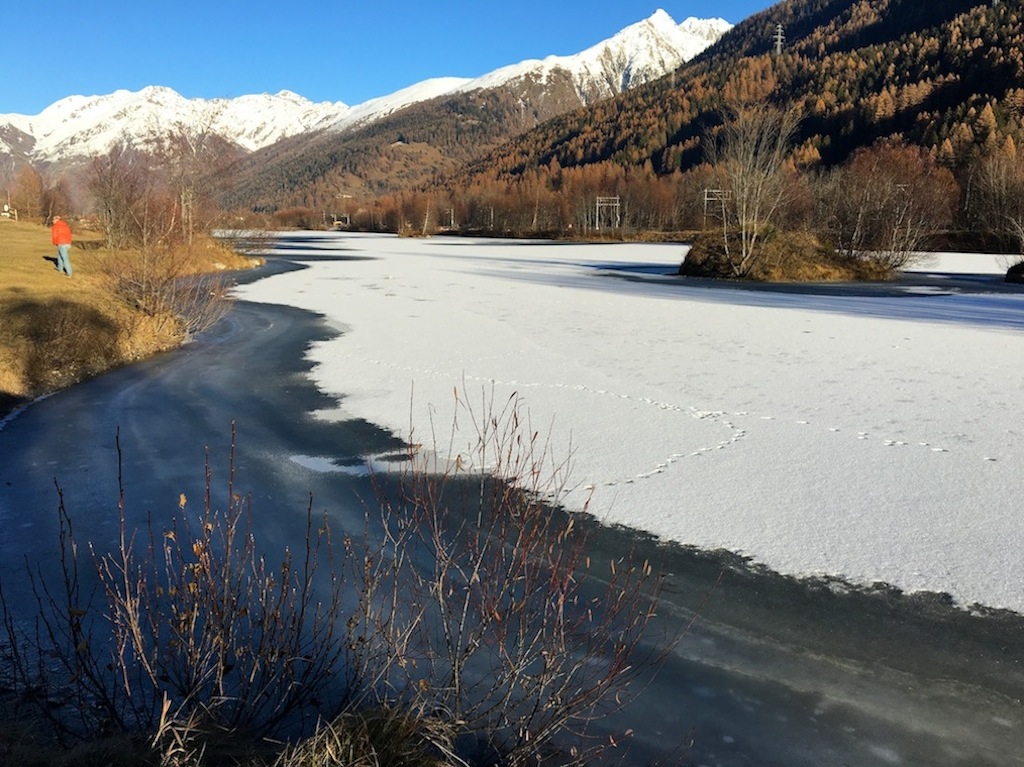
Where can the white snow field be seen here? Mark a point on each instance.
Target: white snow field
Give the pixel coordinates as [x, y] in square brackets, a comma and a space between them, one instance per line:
[875, 438]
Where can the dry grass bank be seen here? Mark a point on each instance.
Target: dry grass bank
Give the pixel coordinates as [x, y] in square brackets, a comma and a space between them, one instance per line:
[56, 330]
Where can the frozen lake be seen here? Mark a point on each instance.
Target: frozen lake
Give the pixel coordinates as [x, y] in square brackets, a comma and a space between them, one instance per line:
[873, 435]
[725, 431]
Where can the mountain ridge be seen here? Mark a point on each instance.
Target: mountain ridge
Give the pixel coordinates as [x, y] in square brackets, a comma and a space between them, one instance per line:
[79, 127]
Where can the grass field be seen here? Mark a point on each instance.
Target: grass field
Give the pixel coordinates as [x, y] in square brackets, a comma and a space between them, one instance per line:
[56, 330]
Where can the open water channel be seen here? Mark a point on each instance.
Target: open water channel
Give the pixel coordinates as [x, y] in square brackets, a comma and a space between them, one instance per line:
[773, 671]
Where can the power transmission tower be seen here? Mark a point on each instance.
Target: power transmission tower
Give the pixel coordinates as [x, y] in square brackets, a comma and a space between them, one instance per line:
[780, 39]
[611, 204]
[712, 196]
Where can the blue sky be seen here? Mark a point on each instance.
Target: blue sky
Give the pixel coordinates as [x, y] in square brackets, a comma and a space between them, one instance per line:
[325, 51]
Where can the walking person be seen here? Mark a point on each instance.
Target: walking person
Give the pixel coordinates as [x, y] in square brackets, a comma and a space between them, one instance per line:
[60, 234]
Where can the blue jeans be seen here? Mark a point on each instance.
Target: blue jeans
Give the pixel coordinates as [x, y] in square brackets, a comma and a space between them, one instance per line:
[64, 259]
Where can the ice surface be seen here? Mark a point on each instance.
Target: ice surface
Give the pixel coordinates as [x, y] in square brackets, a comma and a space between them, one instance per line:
[877, 438]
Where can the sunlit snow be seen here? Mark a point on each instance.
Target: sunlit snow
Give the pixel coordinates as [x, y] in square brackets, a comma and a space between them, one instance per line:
[877, 438]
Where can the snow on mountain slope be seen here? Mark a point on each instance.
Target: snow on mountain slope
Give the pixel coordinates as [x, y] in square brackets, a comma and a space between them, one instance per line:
[382, 106]
[87, 126]
[264, 119]
[639, 53]
[84, 126]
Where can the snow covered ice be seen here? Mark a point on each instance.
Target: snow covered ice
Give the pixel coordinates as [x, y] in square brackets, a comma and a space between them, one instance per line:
[872, 437]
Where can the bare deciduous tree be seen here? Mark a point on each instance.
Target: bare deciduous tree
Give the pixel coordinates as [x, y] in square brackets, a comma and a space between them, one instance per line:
[997, 205]
[57, 197]
[27, 194]
[121, 185]
[749, 157]
[885, 202]
[195, 158]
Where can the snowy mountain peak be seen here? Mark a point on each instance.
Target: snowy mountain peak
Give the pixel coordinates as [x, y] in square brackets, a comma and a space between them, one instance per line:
[709, 29]
[661, 16]
[637, 54]
[87, 126]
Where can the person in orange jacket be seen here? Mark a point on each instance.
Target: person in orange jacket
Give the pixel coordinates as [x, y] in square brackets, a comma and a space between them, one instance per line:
[60, 234]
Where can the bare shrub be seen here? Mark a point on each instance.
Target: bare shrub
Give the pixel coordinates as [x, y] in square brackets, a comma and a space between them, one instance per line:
[193, 629]
[885, 203]
[159, 283]
[520, 643]
[467, 620]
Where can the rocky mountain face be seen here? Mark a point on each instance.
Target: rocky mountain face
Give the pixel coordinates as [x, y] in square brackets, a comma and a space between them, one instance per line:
[518, 96]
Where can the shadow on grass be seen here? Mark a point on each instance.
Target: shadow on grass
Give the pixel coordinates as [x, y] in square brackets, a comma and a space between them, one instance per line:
[9, 402]
[64, 342]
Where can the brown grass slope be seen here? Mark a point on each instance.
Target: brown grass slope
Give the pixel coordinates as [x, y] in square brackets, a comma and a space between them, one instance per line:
[56, 330]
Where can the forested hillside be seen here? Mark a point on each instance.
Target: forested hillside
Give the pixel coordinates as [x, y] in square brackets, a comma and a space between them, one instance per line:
[945, 75]
[405, 150]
